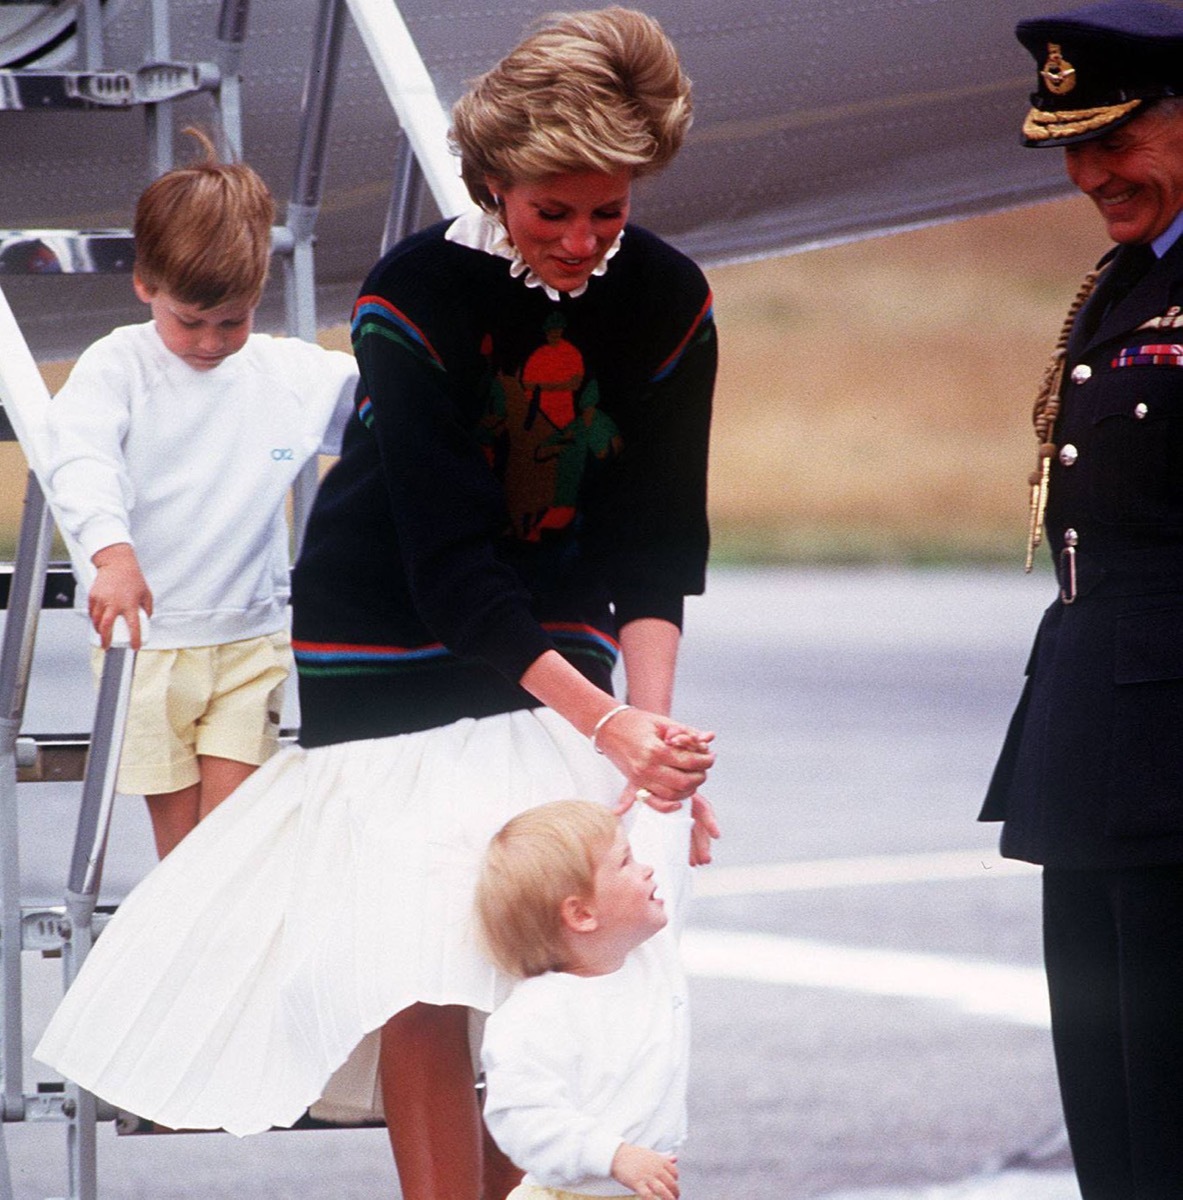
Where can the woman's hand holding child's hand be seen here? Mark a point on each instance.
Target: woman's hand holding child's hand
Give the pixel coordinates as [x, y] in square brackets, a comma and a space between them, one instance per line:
[705, 826]
[665, 761]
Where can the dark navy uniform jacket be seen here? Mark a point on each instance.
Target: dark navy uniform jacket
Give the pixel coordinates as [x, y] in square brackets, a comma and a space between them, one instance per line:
[1091, 772]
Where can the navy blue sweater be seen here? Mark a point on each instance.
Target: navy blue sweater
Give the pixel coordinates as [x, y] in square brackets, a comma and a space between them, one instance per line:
[521, 474]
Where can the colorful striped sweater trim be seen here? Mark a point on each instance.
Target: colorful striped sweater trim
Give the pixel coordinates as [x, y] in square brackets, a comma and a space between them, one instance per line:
[704, 317]
[376, 315]
[345, 658]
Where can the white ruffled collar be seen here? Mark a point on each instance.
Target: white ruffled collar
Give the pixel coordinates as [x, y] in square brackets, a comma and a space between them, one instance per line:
[479, 230]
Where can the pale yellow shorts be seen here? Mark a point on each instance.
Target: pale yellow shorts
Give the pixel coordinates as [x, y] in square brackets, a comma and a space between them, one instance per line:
[528, 1191]
[222, 700]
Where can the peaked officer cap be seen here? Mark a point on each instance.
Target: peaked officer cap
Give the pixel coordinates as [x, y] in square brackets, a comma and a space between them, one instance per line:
[1099, 66]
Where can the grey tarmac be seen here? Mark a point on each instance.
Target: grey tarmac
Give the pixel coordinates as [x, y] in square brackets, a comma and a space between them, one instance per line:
[869, 1019]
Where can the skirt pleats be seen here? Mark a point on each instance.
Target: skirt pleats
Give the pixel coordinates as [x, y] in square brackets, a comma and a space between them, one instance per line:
[247, 976]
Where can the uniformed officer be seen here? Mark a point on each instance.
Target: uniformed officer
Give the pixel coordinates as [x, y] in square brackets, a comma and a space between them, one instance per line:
[1090, 779]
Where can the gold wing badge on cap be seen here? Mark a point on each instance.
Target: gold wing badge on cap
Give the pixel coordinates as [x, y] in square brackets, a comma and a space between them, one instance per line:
[1058, 74]
[1059, 77]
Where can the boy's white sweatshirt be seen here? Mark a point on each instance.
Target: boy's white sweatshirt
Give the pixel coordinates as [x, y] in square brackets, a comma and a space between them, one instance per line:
[193, 469]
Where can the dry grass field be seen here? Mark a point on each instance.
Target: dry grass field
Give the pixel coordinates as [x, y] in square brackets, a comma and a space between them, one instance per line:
[874, 398]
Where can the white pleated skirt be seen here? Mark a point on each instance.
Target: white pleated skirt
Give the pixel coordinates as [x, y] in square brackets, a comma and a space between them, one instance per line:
[246, 977]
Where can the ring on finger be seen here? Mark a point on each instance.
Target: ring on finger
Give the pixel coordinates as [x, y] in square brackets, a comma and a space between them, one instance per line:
[643, 795]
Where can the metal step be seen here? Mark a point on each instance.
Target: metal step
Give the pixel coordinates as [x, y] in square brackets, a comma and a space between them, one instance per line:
[36, 89]
[60, 584]
[129, 1125]
[66, 251]
[84, 252]
[53, 1102]
[61, 757]
[51, 757]
[45, 929]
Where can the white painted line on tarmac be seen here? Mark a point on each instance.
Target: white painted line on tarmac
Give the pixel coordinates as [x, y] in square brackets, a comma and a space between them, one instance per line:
[932, 867]
[1010, 1185]
[1006, 993]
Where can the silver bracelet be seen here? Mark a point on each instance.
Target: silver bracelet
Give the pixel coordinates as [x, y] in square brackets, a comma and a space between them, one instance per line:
[595, 733]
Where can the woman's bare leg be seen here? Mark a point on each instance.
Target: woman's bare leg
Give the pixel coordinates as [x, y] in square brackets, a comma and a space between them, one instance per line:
[429, 1093]
[500, 1175]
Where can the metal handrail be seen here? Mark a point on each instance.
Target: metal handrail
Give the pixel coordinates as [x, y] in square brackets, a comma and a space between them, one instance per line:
[15, 659]
[412, 94]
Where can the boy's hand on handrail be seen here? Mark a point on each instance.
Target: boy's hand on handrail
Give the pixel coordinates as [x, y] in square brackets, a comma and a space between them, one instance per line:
[119, 590]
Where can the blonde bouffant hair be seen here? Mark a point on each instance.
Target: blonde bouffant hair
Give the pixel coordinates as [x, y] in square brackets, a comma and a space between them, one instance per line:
[599, 91]
[203, 231]
[534, 862]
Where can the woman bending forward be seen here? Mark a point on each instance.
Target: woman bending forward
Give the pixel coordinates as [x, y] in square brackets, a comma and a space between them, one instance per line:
[521, 496]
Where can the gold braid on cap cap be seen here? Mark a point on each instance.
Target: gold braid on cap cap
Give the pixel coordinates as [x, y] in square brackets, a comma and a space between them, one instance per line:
[1047, 409]
[1042, 125]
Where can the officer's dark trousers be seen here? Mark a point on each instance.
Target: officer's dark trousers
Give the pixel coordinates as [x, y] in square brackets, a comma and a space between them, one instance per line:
[1113, 946]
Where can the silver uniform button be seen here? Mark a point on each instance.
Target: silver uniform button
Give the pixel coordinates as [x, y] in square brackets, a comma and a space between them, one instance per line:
[1082, 373]
[1068, 454]
[1140, 411]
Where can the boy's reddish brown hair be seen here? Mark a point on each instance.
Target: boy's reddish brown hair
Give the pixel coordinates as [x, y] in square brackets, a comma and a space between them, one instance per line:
[203, 232]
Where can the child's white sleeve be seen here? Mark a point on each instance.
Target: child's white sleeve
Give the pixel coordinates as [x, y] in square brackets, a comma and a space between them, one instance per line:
[326, 381]
[85, 471]
[342, 387]
[531, 1061]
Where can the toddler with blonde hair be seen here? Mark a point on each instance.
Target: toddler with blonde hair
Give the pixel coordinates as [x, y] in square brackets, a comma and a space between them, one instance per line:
[586, 1061]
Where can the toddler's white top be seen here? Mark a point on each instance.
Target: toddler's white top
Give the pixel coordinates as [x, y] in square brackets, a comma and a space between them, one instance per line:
[576, 1065]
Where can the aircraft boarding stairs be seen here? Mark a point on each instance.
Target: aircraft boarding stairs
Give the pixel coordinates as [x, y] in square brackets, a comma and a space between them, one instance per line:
[68, 929]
